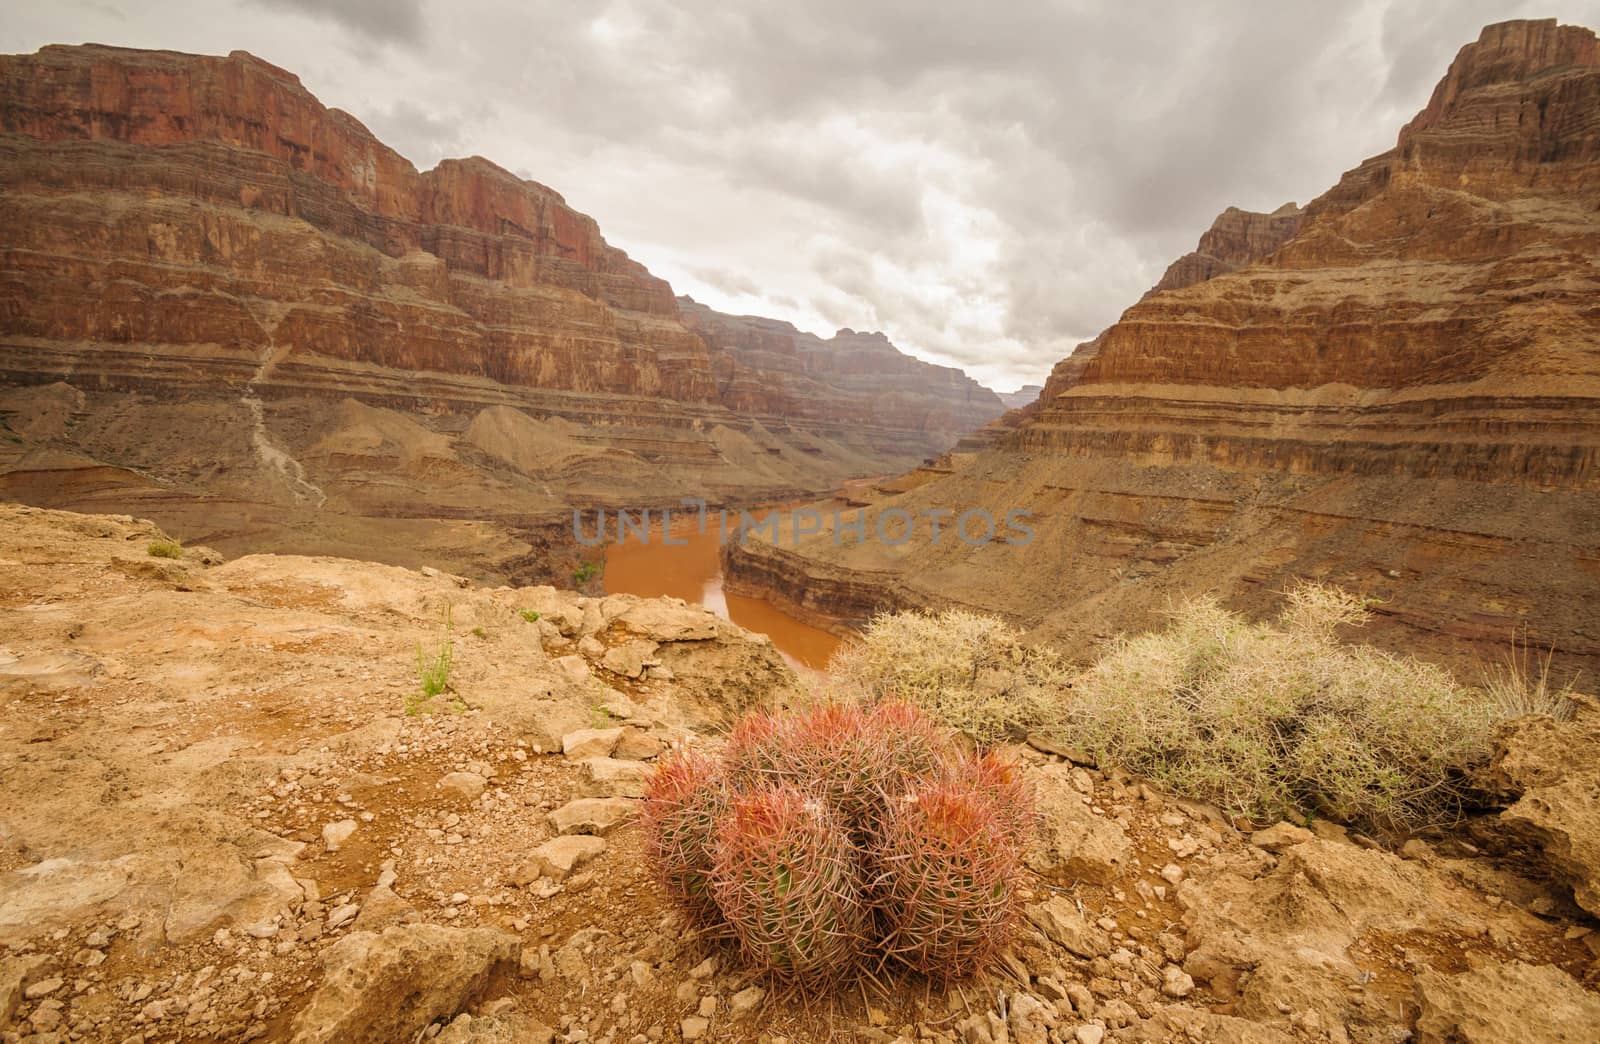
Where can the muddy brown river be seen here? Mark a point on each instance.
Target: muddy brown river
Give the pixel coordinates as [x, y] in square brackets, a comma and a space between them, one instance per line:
[693, 572]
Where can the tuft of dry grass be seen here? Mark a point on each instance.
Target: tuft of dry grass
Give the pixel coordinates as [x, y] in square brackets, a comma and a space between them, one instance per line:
[165, 549]
[970, 671]
[1521, 684]
[1284, 720]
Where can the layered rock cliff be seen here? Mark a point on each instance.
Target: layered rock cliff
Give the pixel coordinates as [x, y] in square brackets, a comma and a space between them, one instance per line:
[850, 382]
[1237, 238]
[237, 311]
[1402, 397]
[1022, 396]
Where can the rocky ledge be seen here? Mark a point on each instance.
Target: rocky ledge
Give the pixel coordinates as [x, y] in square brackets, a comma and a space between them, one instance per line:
[233, 817]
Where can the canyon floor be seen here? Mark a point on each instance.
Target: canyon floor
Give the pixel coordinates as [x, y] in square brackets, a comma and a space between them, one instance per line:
[231, 816]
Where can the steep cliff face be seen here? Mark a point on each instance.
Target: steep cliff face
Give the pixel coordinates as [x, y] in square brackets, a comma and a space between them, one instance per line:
[851, 382]
[1237, 238]
[253, 321]
[1402, 397]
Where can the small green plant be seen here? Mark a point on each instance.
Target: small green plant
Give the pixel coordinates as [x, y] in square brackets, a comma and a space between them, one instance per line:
[165, 549]
[433, 670]
[530, 615]
[831, 840]
[587, 571]
[479, 632]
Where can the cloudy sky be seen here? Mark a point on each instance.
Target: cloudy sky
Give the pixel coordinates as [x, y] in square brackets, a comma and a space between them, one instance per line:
[989, 184]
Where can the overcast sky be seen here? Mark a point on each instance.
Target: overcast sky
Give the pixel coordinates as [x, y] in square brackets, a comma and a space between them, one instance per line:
[989, 184]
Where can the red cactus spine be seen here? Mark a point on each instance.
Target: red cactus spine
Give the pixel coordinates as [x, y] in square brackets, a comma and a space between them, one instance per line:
[915, 744]
[948, 875]
[755, 751]
[684, 802]
[999, 777]
[786, 879]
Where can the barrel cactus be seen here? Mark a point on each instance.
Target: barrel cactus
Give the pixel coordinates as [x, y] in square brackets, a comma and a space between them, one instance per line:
[842, 837]
[683, 804]
[786, 879]
[948, 880]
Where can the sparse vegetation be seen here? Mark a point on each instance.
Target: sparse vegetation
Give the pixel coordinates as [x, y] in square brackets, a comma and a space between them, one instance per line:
[587, 571]
[1521, 684]
[479, 632]
[1266, 720]
[530, 615]
[164, 548]
[433, 670]
[840, 838]
[970, 671]
[1284, 720]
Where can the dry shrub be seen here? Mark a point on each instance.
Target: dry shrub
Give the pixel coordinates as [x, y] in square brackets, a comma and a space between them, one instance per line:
[843, 837]
[971, 672]
[1275, 720]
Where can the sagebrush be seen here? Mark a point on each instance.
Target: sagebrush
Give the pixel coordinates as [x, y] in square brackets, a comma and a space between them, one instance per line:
[843, 838]
[1283, 719]
[970, 671]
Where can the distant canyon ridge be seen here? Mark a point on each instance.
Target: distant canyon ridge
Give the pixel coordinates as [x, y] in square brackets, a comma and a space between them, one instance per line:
[234, 311]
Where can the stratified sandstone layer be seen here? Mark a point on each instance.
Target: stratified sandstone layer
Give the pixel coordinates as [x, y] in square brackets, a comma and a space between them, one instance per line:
[1402, 398]
[236, 311]
[1022, 396]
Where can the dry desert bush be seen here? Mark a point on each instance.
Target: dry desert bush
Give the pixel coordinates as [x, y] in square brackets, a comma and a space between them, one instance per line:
[970, 671]
[1267, 720]
[1283, 719]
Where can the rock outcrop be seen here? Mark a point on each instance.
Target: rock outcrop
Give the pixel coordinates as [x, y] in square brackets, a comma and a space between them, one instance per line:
[237, 312]
[391, 986]
[1022, 396]
[1505, 1002]
[1402, 398]
[1552, 769]
[1237, 238]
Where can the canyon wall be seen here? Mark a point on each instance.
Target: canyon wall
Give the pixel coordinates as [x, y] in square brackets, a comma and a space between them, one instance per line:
[850, 382]
[1400, 396]
[229, 308]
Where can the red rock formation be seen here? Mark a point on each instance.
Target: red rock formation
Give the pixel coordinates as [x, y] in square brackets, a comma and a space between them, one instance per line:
[1024, 395]
[199, 245]
[1237, 238]
[1402, 397]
